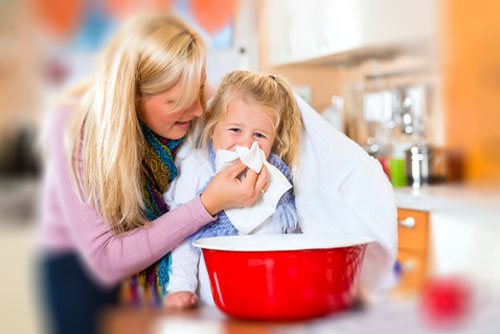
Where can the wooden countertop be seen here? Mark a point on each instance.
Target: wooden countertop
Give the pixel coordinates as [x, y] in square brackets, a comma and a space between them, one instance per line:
[390, 316]
[206, 320]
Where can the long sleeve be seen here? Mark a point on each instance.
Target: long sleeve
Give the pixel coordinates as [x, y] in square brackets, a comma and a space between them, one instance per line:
[184, 276]
[109, 257]
[195, 172]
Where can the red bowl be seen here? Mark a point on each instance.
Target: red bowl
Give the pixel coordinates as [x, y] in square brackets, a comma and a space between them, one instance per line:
[283, 277]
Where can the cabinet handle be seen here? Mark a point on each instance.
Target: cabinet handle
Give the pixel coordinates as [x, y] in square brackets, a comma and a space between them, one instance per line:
[408, 222]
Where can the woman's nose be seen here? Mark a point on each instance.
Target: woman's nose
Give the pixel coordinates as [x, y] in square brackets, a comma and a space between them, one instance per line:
[196, 109]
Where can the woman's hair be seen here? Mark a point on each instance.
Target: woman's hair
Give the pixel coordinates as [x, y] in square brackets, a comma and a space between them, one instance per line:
[270, 92]
[150, 55]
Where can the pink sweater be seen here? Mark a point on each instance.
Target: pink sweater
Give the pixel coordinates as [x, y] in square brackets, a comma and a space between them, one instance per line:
[68, 225]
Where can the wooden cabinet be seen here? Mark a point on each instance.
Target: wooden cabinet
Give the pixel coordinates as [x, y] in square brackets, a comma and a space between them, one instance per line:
[413, 249]
[304, 30]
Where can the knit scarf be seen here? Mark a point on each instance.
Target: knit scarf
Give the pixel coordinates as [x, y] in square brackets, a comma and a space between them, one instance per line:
[158, 171]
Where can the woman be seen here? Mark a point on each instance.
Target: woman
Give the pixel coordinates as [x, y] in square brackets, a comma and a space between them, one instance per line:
[103, 217]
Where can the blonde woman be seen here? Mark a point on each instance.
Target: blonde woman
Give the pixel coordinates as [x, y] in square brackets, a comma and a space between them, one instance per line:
[103, 216]
[247, 109]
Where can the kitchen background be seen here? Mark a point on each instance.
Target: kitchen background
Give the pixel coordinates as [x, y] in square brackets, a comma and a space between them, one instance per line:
[416, 83]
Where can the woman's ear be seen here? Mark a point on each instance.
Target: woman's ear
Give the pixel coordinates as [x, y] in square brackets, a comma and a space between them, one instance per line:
[139, 106]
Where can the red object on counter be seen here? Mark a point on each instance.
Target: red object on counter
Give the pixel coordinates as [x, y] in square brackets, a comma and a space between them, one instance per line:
[445, 301]
[283, 284]
[384, 162]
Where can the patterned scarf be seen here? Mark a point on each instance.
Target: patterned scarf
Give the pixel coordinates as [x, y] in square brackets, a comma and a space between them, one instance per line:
[158, 170]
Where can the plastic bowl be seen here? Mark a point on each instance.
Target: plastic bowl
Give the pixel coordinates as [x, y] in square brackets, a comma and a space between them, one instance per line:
[283, 277]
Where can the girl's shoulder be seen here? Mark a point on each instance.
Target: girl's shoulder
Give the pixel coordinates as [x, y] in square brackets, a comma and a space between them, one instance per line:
[194, 166]
[191, 158]
[194, 172]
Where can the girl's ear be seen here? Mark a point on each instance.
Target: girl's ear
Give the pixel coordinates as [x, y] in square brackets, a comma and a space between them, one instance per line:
[211, 133]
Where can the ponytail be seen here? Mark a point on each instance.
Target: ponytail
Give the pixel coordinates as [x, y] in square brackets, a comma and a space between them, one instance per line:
[287, 141]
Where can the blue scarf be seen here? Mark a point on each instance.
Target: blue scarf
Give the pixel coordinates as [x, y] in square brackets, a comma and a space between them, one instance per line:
[158, 171]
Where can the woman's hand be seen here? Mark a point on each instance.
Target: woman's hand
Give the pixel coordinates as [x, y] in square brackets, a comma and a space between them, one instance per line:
[226, 190]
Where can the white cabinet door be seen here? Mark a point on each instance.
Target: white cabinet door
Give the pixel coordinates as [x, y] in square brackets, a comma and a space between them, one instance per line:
[301, 35]
[342, 25]
[279, 28]
[466, 243]
[290, 31]
[392, 22]
[302, 30]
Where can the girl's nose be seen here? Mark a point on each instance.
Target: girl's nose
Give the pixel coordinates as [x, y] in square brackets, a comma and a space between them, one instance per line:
[246, 141]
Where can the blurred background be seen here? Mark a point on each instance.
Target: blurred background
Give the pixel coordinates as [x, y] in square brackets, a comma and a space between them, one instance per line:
[415, 82]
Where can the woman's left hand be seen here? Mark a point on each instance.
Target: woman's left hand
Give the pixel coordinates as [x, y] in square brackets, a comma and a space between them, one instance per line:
[226, 190]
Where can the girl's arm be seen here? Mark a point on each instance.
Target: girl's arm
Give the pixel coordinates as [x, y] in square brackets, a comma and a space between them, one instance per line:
[184, 276]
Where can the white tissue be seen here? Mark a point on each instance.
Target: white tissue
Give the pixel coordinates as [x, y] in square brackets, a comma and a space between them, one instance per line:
[247, 219]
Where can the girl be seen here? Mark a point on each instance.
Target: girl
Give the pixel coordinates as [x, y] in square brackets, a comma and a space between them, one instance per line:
[247, 108]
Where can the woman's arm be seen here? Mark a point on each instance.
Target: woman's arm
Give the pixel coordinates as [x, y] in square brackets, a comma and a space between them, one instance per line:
[108, 256]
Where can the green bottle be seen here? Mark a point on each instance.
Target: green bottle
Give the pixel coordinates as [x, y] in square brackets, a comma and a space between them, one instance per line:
[397, 172]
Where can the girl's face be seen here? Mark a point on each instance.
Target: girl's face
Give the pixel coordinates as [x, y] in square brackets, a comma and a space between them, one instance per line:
[242, 125]
[159, 114]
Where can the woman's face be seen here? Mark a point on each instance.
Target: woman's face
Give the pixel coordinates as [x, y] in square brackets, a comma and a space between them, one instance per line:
[159, 114]
[242, 125]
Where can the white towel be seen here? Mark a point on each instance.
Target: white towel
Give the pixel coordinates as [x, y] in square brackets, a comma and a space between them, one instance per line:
[340, 189]
[248, 219]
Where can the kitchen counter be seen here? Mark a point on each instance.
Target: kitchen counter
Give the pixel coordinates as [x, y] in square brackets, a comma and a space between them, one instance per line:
[384, 317]
[450, 198]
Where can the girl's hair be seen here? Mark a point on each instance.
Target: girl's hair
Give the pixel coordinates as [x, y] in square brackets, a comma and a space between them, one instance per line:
[150, 55]
[268, 91]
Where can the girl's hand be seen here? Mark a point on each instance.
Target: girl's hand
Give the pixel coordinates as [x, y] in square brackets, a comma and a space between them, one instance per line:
[181, 300]
[226, 190]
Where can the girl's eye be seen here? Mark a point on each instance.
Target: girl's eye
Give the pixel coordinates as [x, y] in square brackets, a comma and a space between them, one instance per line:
[259, 135]
[236, 130]
[170, 101]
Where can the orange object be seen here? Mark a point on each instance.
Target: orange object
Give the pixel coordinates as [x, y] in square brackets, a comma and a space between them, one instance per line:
[123, 8]
[413, 249]
[59, 18]
[471, 63]
[213, 15]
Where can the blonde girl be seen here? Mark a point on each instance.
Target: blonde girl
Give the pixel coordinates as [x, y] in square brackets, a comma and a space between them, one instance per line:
[247, 108]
